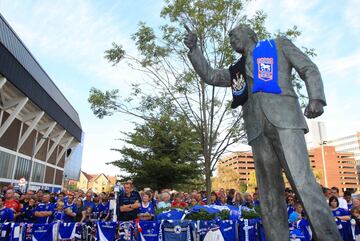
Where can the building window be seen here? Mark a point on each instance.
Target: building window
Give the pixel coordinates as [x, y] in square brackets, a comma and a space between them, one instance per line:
[7, 162]
[22, 168]
[38, 172]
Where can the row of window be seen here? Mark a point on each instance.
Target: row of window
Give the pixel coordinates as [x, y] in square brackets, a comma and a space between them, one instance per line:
[23, 168]
[343, 138]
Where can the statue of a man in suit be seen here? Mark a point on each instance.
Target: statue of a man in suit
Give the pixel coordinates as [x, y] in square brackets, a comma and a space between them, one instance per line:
[275, 127]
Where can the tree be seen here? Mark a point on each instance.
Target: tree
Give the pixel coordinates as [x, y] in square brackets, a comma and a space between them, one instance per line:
[227, 177]
[171, 79]
[161, 153]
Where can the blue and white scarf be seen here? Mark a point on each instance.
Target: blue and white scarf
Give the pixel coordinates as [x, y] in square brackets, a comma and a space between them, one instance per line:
[266, 68]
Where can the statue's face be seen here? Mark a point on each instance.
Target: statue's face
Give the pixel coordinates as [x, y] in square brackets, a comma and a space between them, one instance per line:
[239, 39]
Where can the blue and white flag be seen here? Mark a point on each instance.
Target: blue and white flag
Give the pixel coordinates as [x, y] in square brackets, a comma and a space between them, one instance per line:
[5, 230]
[126, 231]
[297, 235]
[228, 229]
[247, 229]
[105, 231]
[176, 230]
[174, 214]
[43, 232]
[67, 231]
[17, 232]
[150, 230]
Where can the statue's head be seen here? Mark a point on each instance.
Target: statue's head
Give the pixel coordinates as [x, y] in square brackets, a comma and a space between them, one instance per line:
[242, 37]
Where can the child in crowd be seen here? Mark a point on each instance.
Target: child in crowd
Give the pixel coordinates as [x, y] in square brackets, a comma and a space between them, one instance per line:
[59, 212]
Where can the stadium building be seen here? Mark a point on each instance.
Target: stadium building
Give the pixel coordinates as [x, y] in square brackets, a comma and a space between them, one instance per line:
[40, 131]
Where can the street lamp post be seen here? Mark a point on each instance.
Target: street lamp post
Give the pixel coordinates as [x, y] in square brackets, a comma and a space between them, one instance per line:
[115, 201]
[322, 143]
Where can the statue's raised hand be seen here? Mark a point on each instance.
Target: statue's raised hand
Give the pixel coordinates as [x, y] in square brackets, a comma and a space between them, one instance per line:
[314, 109]
[190, 38]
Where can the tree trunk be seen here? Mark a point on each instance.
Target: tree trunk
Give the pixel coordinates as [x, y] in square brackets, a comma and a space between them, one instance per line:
[208, 178]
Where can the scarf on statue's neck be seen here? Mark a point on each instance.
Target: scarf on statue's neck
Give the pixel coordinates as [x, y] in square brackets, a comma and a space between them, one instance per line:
[265, 67]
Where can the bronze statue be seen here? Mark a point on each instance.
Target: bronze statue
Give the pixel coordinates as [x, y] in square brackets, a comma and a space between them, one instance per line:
[275, 127]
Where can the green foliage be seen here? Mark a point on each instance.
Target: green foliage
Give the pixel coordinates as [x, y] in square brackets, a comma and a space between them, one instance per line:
[115, 54]
[103, 103]
[251, 214]
[161, 210]
[203, 215]
[243, 187]
[161, 153]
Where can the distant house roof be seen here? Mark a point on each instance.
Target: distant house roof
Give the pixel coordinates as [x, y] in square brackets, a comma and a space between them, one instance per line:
[93, 177]
[112, 179]
[89, 176]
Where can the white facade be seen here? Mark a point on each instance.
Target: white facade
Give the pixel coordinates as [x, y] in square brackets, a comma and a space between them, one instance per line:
[349, 143]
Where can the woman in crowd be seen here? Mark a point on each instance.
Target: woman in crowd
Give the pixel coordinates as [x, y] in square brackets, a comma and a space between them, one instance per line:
[58, 215]
[230, 196]
[222, 200]
[342, 217]
[87, 216]
[248, 200]
[214, 199]
[164, 201]
[355, 223]
[96, 207]
[79, 209]
[147, 210]
[238, 200]
[104, 209]
[28, 210]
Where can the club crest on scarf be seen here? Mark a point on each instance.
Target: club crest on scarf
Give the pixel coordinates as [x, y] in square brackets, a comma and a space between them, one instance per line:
[265, 68]
[238, 84]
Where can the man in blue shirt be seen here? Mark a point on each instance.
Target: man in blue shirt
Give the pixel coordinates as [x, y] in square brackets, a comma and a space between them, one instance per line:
[129, 203]
[70, 209]
[6, 214]
[44, 210]
[88, 201]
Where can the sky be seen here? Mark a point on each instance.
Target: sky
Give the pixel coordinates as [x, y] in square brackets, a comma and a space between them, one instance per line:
[68, 38]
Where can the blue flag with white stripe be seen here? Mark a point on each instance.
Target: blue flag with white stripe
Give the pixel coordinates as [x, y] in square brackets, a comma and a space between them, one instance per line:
[67, 231]
[105, 231]
[43, 232]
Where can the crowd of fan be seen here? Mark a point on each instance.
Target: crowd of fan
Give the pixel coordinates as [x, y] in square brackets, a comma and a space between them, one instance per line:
[43, 207]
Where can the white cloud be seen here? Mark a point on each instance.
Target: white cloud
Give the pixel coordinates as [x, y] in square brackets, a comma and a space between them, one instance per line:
[341, 64]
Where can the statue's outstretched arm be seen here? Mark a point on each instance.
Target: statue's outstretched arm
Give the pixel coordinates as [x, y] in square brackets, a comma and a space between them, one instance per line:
[217, 77]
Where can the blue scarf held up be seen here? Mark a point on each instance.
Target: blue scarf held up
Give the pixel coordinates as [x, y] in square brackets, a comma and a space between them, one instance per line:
[266, 68]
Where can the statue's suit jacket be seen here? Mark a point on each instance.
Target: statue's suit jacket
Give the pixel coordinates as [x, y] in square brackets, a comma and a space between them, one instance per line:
[282, 110]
